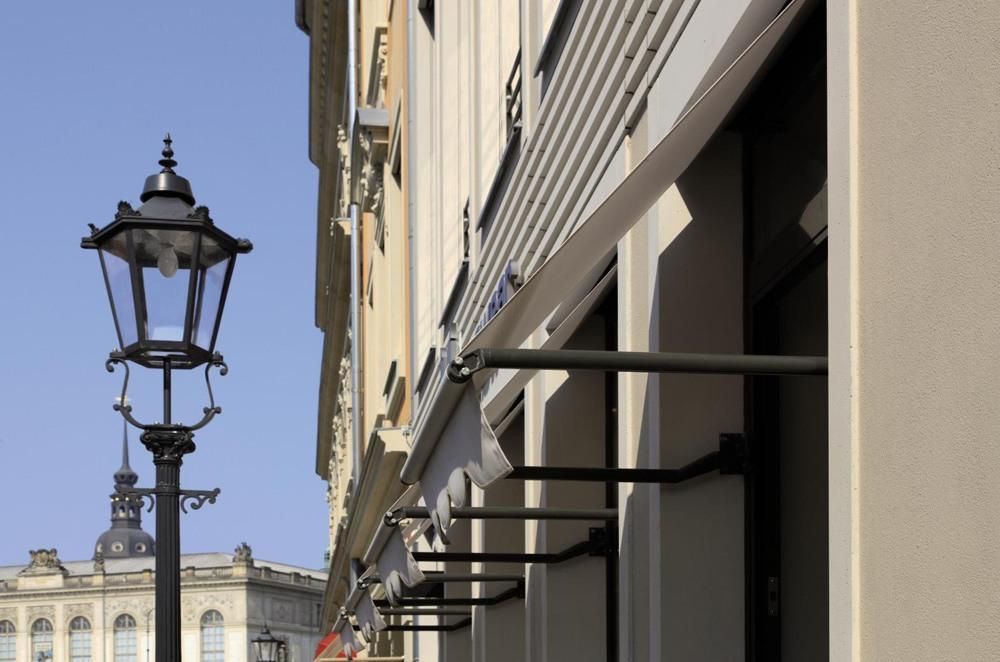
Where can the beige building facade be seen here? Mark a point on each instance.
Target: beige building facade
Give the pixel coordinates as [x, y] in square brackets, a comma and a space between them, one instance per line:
[80, 611]
[554, 235]
[362, 283]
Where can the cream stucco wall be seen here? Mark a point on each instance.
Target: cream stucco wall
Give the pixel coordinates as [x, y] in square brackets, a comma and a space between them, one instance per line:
[914, 138]
[247, 597]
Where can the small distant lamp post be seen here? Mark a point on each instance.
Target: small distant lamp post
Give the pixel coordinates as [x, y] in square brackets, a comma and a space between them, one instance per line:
[167, 268]
[266, 646]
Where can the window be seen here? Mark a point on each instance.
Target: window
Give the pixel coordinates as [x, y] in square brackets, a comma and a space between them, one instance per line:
[41, 638]
[125, 644]
[8, 642]
[213, 646]
[555, 41]
[511, 151]
[79, 640]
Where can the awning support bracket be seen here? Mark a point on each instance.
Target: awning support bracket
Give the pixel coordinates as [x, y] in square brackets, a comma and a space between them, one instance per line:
[595, 545]
[730, 459]
[394, 517]
[463, 367]
[433, 577]
[457, 625]
[517, 591]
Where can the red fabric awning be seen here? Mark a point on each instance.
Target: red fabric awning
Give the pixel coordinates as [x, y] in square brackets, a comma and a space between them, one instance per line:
[326, 642]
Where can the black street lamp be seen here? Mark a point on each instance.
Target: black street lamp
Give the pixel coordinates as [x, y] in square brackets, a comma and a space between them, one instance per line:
[266, 646]
[167, 269]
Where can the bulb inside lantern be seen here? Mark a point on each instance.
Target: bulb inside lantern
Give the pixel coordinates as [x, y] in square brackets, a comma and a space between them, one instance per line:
[167, 262]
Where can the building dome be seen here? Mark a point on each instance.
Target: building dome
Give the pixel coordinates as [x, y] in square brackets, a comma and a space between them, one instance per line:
[124, 543]
[125, 539]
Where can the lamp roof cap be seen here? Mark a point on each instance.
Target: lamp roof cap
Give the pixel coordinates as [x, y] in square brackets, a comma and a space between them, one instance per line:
[167, 183]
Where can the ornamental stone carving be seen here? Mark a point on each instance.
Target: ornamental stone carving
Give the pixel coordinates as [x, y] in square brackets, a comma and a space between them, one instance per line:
[193, 606]
[44, 562]
[136, 607]
[282, 611]
[79, 609]
[42, 611]
[383, 68]
[243, 554]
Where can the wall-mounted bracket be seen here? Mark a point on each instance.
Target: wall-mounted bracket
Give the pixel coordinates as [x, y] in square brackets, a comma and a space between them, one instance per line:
[731, 458]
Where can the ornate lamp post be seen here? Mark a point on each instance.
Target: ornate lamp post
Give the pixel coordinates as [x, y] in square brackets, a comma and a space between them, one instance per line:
[266, 647]
[167, 269]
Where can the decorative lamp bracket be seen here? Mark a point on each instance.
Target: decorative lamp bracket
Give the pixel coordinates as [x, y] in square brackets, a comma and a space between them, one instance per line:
[122, 407]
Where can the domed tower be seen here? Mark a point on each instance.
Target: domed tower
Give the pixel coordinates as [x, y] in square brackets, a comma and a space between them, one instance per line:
[125, 539]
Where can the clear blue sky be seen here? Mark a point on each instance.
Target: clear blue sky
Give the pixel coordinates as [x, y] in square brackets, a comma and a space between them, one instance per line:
[87, 90]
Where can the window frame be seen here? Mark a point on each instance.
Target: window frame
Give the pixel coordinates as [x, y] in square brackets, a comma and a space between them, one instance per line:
[8, 641]
[40, 637]
[129, 636]
[212, 623]
[74, 632]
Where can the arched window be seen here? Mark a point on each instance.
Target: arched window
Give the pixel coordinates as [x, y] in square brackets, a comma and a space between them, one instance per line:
[125, 645]
[213, 642]
[8, 642]
[41, 638]
[79, 640]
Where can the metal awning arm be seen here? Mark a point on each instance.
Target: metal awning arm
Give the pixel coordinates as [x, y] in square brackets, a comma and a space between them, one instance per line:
[595, 545]
[731, 458]
[394, 517]
[510, 594]
[419, 611]
[458, 625]
[463, 367]
[435, 577]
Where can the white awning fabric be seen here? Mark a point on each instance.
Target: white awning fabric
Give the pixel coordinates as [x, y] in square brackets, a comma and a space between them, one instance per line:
[345, 630]
[467, 447]
[545, 289]
[453, 437]
[369, 620]
[505, 385]
[389, 554]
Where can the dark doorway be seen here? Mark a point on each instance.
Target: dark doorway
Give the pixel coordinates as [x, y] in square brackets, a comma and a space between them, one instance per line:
[784, 137]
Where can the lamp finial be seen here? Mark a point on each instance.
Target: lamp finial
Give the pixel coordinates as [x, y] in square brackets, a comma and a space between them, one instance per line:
[167, 161]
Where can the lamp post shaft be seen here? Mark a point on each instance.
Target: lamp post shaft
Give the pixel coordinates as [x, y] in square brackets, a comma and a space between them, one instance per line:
[168, 556]
[168, 542]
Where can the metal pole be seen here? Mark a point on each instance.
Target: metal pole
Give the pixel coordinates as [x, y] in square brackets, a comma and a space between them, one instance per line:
[396, 611]
[611, 625]
[509, 594]
[167, 459]
[462, 368]
[166, 392]
[504, 512]
[431, 577]
[612, 475]
[591, 546]
[168, 578]
[426, 628]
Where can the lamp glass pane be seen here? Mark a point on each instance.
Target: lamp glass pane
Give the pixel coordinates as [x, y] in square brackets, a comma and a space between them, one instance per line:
[164, 258]
[265, 649]
[213, 264]
[114, 255]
